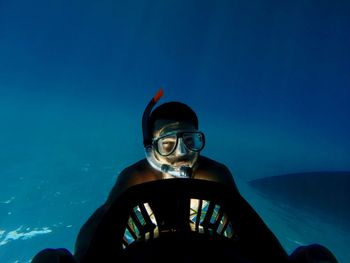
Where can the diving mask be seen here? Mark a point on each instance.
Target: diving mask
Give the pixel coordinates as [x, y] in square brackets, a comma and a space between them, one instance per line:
[167, 143]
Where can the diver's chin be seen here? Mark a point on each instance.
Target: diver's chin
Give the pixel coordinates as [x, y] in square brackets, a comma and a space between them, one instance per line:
[182, 164]
[176, 163]
[189, 162]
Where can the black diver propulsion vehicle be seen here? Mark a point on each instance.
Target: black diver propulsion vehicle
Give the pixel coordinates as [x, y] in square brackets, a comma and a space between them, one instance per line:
[181, 220]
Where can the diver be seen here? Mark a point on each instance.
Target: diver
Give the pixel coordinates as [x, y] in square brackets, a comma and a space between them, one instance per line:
[172, 144]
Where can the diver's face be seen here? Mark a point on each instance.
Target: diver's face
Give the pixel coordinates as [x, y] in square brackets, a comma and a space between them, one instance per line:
[181, 156]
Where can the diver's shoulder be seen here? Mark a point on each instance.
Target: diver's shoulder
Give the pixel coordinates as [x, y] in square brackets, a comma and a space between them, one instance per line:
[137, 167]
[133, 172]
[209, 169]
[208, 163]
[137, 173]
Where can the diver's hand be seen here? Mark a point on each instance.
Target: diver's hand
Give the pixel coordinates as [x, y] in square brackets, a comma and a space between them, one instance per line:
[49, 255]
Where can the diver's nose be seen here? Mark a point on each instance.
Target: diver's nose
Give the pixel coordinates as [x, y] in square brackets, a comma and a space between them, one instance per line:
[181, 149]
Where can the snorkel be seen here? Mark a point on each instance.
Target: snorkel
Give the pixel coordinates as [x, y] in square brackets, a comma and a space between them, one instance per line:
[182, 171]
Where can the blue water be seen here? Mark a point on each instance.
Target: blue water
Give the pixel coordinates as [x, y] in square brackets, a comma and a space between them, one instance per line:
[268, 79]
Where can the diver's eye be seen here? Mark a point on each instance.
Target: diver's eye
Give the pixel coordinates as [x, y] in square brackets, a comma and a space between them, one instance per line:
[166, 145]
[194, 141]
[189, 141]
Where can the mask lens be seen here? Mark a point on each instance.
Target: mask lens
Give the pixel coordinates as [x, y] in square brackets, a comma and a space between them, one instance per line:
[194, 140]
[166, 145]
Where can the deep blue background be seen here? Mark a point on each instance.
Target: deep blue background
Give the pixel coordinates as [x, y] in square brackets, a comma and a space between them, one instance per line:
[268, 79]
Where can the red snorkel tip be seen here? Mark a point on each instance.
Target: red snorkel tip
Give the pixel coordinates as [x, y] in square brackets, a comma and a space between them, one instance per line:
[147, 136]
[158, 95]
